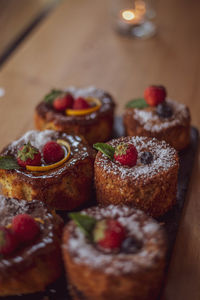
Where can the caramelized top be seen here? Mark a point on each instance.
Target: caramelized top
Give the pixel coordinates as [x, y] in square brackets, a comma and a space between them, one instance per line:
[45, 241]
[79, 151]
[45, 110]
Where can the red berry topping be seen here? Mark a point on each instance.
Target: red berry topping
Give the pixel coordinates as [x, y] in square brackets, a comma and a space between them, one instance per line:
[28, 155]
[80, 103]
[8, 242]
[63, 102]
[155, 94]
[109, 234]
[126, 154]
[52, 152]
[25, 227]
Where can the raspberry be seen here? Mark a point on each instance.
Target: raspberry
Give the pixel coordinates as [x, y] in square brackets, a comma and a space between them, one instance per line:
[109, 234]
[25, 227]
[8, 242]
[155, 94]
[63, 102]
[28, 155]
[80, 103]
[52, 152]
[126, 154]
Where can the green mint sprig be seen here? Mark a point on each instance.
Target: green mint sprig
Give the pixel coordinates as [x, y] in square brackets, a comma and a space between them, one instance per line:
[8, 163]
[50, 97]
[106, 149]
[85, 223]
[137, 103]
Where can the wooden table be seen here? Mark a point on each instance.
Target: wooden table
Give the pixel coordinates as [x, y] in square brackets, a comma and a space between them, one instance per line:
[77, 45]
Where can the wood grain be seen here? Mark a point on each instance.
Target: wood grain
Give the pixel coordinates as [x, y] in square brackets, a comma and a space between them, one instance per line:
[16, 16]
[76, 44]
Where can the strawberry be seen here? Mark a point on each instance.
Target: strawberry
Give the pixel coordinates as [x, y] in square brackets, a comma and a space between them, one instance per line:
[25, 227]
[28, 155]
[63, 102]
[109, 234]
[52, 152]
[155, 94]
[80, 103]
[126, 154]
[8, 242]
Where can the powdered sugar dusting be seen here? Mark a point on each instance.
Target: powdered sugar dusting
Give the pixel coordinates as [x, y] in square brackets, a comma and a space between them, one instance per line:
[90, 91]
[37, 138]
[152, 122]
[137, 224]
[164, 157]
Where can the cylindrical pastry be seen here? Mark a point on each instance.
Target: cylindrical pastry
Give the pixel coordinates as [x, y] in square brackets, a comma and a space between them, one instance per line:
[135, 271]
[149, 185]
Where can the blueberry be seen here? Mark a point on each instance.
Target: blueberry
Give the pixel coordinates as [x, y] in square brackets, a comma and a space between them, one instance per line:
[131, 245]
[164, 110]
[146, 158]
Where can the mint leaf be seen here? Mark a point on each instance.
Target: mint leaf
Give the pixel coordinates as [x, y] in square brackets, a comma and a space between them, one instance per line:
[8, 163]
[137, 103]
[85, 222]
[106, 149]
[50, 97]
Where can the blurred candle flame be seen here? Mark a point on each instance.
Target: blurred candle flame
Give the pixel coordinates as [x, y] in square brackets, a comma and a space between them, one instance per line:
[128, 15]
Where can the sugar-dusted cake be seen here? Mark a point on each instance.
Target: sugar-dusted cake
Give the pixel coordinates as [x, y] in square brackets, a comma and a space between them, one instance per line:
[160, 117]
[137, 171]
[50, 166]
[29, 239]
[115, 252]
[87, 112]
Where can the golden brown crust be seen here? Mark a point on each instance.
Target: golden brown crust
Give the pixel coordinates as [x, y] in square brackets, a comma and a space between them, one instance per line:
[66, 193]
[155, 194]
[176, 132]
[98, 131]
[95, 127]
[178, 137]
[89, 282]
[65, 187]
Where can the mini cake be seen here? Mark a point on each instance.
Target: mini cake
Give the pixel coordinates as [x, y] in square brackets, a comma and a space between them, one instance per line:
[50, 166]
[114, 253]
[137, 171]
[29, 239]
[156, 116]
[86, 112]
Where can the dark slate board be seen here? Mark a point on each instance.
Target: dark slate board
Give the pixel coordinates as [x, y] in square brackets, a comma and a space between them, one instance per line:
[58, 290]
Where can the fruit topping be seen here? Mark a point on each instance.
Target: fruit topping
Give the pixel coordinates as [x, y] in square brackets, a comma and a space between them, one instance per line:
[84, 106]
[52, 152]
[164, 110]
[8, 242]
[25, 228]
[28, 155]
[155, 94]
[146, 158]
[54, 165]
[52, 95]
[131, 245]
[81, 103]
[63, 102]
[109, 234]
[126, 154]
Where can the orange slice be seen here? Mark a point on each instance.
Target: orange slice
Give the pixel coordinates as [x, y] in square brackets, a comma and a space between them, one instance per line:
[53, 166]
[80, 112]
